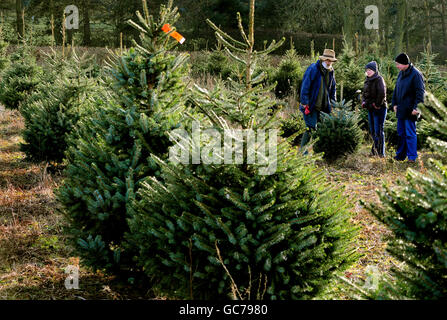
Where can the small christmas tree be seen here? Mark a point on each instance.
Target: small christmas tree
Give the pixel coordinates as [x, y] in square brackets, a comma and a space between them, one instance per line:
[109, 152]
[3, 49]
[60, 99]
[19, 78]
[416, 212]
[243, 229]
[338, 133]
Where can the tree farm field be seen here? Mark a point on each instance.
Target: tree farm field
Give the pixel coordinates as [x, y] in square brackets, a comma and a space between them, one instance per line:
[33, 248]
[156, 152]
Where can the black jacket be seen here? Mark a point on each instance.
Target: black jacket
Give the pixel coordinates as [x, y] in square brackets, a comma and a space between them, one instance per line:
[409, 92]
[374, 92]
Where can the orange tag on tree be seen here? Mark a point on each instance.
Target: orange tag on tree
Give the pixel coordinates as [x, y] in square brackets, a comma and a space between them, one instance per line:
[177, 36]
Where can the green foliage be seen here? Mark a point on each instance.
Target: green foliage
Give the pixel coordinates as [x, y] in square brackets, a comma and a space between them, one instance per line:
[62, 96]
[219, 64]
[215, 231]
[349, 73]
[3, 48]
[109, 153]
[19, 78]
[338, 133]
[416, 212]
[434, 81]
[390, 129]
[293, 125]
[288, 75]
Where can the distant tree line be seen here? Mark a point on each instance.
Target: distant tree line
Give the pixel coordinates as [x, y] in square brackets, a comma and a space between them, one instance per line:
[403, 24]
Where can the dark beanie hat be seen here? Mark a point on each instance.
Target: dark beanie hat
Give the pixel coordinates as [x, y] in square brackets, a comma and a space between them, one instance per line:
[403, 59]
[372, 66]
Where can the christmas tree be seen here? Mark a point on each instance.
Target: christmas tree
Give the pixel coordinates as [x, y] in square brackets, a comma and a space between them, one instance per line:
[416, 212]
[255, 226]
[19, 78]
[62, 96]
[3, 48]
[108, 153]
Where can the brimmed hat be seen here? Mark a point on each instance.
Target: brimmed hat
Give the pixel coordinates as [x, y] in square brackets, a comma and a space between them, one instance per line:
[328, 54]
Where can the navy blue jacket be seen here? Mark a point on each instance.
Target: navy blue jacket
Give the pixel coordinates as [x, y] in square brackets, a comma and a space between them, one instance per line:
[409, 92]
[311, 86]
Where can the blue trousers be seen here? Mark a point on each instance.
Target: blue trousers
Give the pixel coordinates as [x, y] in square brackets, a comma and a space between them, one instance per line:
[310, 120]
[376, 120]
[407, 142]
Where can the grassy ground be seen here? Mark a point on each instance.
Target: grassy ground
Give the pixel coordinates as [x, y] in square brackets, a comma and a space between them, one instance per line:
[34, 253]
[33, 250]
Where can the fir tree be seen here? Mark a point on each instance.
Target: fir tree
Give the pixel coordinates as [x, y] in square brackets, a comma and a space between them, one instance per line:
[62, 96]
[338, 133]
[3, 49]
[416, 213]
[109, 152]
[244, 229]
[19, 78]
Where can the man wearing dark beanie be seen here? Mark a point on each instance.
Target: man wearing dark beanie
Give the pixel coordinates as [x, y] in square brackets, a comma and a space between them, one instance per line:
[408, 93]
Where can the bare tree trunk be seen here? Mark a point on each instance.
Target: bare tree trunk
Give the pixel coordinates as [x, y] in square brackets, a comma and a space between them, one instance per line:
[19, 24]
[86, 17]
[347, 21]
[407, 33]
[428, 21]
[443, 21]
[399, 26]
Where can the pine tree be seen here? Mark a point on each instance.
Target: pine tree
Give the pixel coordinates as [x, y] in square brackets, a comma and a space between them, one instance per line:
[19, 78]
[3, 49]
[62, 96]
[416, 213]
[272, 230]
[338, 133]
[108, 154]
[349, 72]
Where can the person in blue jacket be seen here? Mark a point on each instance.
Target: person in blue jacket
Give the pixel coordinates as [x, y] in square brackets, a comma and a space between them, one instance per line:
[409, 92]
[318, 89]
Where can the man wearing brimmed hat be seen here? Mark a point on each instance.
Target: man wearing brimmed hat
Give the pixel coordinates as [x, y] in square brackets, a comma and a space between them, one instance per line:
[317, 92]
[409, 92]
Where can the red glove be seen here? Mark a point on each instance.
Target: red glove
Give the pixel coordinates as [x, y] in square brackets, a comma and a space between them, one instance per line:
[306, 109]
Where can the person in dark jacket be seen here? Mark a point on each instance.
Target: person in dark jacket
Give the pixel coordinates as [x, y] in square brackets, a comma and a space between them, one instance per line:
[374, 99]
[318, 89]
[409, 92]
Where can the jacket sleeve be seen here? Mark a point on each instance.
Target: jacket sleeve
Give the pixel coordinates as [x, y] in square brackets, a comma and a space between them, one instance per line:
[419, 87]
[333, 93]
[381, 92]
[305, 87]
[394, 100]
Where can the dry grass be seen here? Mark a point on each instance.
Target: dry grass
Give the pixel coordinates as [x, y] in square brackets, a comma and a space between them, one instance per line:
[34, 252]
[33, 249]
[362, 177]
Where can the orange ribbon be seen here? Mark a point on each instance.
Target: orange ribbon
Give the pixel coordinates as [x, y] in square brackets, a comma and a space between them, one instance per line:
[177, 36]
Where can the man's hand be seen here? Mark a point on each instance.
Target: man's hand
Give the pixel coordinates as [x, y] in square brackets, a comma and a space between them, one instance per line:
[395, 108]
[415, 112]
[306, 109]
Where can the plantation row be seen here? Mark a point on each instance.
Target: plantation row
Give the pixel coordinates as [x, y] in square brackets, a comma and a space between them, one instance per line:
[218, 230]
